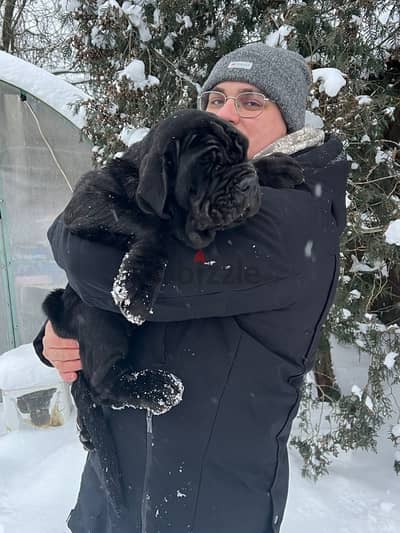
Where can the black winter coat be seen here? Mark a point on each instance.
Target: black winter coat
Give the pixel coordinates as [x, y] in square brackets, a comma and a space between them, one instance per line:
[239, 325]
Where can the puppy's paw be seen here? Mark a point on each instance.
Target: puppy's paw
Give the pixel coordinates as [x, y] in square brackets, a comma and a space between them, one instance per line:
[135, 304]
[138, 281]
[279, 171]
[155, 390]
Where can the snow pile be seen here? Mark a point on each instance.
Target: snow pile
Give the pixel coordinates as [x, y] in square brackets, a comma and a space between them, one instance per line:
[108, 5]
[363, 99]
[392, 234]
[51, 90]
[130, 135]
[136, 16]
[185, 20]
[40, 475]
[278, 38]
[70, 5]
[136, 74]
[390, 360]
[169, 40]
[21, 368]
[313, 121]
[331, 80]
[362, 266]
[382, 156]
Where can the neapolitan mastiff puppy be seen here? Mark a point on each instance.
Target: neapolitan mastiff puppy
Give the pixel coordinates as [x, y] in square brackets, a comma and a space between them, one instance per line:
[187, 179]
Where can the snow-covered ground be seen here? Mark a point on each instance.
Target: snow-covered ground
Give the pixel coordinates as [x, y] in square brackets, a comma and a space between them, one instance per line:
[40, 473]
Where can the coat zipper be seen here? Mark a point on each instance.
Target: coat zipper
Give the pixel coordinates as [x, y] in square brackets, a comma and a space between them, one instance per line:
[149, 458]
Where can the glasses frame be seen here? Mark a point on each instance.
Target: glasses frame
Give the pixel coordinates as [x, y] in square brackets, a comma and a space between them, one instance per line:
[235, 99]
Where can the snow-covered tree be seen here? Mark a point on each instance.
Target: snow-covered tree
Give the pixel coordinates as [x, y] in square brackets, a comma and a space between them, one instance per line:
[354, 51]
[147, 58]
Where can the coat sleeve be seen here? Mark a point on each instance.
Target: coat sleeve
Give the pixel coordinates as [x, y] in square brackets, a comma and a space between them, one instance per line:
[252, 268]
[38, 346]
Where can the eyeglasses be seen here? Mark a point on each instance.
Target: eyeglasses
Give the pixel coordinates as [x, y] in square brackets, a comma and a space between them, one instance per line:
[247, 105]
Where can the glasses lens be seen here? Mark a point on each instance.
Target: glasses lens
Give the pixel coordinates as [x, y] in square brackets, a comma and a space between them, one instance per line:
[211, 101]
[250, 104]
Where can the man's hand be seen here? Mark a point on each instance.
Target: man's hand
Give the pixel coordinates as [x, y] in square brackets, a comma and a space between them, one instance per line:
[63, 354]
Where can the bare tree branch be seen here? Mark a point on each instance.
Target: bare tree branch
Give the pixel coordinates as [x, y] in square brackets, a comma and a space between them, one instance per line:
[9, 8]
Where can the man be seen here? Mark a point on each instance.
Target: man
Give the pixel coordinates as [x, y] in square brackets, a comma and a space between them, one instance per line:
[240, 338]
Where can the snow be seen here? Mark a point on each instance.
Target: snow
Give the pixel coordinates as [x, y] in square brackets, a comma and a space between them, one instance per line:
[392, 234]
[51, 90]
[40, 475]
[360, 266]
[70, 5]
[331, 80]
[390, 360]
[97, 38]
[346, 314]
[186, 20]
[354, 295]
[308, 249]
[169, 41]
[364, 99]
[135, 72]
[108, 5]
[389, 111]
[41, 472]
[137, 18]
[382, 156]
[211, 42]
[313, 120]
[357, 391]
[278, 38]
[130, 135]
[21, 368]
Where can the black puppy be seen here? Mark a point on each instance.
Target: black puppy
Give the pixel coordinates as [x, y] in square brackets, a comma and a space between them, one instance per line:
[188, 178]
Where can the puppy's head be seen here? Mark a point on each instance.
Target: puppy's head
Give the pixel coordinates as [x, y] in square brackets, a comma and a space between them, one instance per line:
[194, 171]
[215, 185]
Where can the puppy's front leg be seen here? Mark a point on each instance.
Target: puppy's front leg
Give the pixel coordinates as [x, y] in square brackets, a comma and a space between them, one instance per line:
[140, 275]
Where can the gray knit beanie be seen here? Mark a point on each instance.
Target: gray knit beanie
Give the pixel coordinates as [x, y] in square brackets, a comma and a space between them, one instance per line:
[282, 75]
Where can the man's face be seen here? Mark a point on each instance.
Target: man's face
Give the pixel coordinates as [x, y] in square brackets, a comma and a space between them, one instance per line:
[260, 131]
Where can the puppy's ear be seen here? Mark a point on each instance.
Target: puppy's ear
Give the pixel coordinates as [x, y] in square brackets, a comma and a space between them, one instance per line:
[155, 172]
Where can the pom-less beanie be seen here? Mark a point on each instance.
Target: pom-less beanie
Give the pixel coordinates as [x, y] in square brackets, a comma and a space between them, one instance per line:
[281, 75]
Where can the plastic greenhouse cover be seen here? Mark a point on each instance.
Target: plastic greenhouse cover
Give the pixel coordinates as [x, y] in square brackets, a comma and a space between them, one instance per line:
[53, 91]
